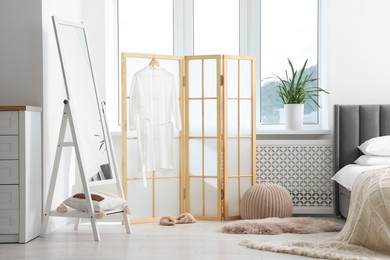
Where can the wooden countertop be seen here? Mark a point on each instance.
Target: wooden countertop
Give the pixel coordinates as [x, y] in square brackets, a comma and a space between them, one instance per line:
[20, 108]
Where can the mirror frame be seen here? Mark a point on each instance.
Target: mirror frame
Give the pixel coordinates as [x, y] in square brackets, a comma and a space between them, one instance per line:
[100, 105]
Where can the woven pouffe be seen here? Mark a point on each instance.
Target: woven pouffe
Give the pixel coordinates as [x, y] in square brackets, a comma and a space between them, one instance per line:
[266, 200]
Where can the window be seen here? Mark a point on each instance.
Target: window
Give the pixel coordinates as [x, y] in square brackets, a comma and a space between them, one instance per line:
[289, 29]
[271, 30]
[216, 27]
[141, 27]
[146, 26]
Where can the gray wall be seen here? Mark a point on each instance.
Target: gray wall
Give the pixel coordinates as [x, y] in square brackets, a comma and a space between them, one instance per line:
[21, 53]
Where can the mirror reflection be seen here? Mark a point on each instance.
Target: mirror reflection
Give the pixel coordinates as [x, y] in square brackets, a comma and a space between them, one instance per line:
[84, 101]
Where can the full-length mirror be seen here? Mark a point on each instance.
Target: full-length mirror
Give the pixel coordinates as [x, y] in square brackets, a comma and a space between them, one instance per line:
[83, 97]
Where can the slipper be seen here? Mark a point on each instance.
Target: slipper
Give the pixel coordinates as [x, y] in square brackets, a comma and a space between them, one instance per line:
[167, 220]
[185, 218]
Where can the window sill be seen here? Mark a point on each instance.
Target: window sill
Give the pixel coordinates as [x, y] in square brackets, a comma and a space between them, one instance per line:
[293, 132]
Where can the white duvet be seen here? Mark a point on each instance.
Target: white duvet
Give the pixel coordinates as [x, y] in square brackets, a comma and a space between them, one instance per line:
[347, 175]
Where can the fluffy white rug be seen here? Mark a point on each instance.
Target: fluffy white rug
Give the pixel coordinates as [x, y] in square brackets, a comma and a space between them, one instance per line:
[317, 248]
[273, 226]
[366, 234]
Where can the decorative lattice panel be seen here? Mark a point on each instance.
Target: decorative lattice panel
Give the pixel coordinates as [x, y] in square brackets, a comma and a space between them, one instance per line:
[304, 170]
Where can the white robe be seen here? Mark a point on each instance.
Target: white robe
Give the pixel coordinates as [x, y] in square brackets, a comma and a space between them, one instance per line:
[154, 111]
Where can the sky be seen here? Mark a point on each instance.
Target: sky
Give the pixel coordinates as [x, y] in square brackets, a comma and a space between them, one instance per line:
[287, 32]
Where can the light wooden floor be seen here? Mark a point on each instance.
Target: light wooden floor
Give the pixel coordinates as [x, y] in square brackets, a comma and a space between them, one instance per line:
[202, 240]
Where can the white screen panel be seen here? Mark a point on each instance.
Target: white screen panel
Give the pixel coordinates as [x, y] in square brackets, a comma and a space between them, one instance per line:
[245, 79]
[196, 196]
[232, 151]
[245, 118]
[210, 118]
[167, 197]
[245, 156]
[195, 79]
[233, 208]
[210, 78]
[195, 157]
[195, 118]
[232, 120]
[210, 157]
[211, 197]
[140, 199]
[232, 78]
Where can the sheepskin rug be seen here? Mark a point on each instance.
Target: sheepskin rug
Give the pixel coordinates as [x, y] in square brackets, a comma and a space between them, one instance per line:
[274, 226]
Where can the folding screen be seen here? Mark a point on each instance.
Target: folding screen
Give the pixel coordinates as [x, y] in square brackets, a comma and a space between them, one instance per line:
[215, 150]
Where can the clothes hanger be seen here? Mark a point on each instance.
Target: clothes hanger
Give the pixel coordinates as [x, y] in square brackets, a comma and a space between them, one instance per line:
[154, 63]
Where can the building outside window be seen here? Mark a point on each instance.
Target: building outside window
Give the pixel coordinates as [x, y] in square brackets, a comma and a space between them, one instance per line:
[291, 33]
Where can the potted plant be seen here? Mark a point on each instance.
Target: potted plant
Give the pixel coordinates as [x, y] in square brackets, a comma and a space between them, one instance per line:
[294, 90]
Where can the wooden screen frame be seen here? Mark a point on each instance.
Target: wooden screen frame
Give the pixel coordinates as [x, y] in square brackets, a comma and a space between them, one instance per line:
[219, 175]
[125, 138]
[225, 135]
[222, 138]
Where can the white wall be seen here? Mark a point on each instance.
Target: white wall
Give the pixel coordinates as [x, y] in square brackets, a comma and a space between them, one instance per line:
[20, 53]
[358, 52]
[94, 18]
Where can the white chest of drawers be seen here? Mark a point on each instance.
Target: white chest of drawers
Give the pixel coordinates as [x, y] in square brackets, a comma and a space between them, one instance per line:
[20, 173]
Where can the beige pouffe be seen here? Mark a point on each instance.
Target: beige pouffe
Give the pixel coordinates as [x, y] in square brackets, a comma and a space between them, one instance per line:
[266, 200]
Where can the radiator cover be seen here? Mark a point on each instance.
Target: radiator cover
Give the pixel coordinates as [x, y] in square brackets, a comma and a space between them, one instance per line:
[303, 167]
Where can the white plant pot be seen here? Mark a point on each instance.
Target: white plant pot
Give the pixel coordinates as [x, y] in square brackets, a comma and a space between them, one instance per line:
[294, 116]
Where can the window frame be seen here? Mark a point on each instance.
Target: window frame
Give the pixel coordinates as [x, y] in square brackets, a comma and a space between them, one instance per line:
[249, 44]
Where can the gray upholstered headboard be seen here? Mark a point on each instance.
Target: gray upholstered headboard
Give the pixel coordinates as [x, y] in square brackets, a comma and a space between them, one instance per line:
[355, 124]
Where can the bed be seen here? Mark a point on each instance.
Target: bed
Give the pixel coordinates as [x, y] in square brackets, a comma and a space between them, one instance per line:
[355, 124]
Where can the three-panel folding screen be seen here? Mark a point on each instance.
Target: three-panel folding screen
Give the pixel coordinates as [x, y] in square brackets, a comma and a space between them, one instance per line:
[214, 153]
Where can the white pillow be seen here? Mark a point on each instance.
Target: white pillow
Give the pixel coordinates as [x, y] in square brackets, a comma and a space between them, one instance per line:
[366, 160]
[376, 146]
[347, 175]
[110, 202]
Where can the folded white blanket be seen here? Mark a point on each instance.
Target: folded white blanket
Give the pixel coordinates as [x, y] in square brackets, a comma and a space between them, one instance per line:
[369, 211]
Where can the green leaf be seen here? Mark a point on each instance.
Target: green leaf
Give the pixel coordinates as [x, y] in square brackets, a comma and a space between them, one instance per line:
[297, 88]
